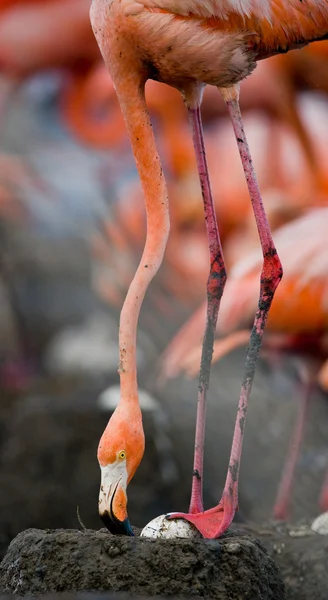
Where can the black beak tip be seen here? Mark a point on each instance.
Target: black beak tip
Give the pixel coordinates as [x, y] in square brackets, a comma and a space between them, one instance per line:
[115, 526]
[126, 526]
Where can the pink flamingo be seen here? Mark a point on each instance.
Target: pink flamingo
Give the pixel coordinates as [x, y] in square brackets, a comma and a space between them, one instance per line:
[189, 44]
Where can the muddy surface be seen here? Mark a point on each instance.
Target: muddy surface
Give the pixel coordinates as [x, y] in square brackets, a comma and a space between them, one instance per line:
[301, 555]
[90, 596]
[51, 561]
[236, 566]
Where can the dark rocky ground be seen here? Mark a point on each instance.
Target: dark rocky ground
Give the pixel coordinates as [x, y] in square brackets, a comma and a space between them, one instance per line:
[301, 556]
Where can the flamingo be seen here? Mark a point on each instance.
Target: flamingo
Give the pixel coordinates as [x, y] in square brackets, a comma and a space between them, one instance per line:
[188, 44]
[44, 37]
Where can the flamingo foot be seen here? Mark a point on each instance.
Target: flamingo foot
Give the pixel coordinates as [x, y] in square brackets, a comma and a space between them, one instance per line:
[211, 523]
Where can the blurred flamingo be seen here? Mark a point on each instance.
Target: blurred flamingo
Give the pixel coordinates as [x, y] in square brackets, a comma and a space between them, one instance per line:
[36, 35]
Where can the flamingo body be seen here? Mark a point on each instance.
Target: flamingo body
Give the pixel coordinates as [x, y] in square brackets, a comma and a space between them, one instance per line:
[272, 26]
[229, 36]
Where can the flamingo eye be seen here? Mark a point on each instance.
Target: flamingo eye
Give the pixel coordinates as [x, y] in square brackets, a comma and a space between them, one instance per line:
[121, 455]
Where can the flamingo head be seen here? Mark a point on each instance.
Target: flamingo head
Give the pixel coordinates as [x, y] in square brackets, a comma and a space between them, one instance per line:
[120, 451]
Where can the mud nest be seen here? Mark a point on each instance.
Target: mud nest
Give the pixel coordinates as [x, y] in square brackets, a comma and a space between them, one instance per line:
[235, 567]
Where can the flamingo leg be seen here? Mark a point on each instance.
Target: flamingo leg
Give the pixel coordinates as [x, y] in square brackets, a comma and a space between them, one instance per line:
[215, 285]
[214, 522]
[281, 506]
[323, 381]
[323, 500]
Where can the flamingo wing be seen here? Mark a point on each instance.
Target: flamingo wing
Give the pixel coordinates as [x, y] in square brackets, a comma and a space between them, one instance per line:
[278, 25]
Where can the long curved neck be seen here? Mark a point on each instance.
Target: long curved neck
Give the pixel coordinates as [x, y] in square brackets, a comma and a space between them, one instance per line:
[130, 93]
[114, 35]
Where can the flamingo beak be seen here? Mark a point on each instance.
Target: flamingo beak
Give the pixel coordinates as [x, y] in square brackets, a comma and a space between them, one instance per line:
[113, 501]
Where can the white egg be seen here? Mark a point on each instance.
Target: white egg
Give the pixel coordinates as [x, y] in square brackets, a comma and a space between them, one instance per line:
[161, 527]
[320, 524]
